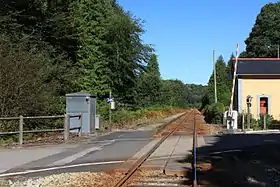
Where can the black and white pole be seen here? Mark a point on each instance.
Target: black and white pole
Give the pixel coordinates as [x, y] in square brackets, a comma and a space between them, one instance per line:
[233, 87]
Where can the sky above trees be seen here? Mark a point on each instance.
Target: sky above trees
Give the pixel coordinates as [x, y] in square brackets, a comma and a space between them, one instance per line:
[184, 33]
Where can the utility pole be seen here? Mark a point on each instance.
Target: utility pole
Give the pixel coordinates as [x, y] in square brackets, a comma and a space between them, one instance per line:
[215, 78]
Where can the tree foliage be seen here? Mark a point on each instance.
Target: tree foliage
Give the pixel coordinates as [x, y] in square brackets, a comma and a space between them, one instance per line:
[149, 84]
[264, 38]
[24, 83]
[222, 82]
[195, 94]
[49, 48]
[212, 111]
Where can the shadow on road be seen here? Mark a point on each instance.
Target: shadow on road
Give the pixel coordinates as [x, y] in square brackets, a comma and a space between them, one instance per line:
[251, 160]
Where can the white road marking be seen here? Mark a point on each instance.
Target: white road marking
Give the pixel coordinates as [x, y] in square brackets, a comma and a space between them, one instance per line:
[103, 141]
[227, 151]
[124, 139]
[121, 135]
[71, 158]
[60, 167]
[133, 139]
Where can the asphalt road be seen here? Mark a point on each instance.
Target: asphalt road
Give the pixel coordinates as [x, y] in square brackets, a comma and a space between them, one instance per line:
[251, 160]
[101, 154]
[229, 142]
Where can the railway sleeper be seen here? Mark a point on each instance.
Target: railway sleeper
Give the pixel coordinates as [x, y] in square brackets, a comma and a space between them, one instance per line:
[158, 185]
[159, 181]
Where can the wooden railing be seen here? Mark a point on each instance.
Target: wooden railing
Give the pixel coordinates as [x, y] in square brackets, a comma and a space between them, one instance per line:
[66, 129]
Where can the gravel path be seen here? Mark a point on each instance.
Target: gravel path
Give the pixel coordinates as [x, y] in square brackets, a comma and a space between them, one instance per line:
[101, 179]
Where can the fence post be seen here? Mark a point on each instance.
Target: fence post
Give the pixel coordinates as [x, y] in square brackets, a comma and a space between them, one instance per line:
[81, 125]
[66, 127]
[243, 121]
[20, 136]
[248, 120]
[264, 121]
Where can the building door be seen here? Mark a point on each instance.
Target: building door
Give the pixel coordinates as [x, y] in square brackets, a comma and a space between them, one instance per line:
[263, 105]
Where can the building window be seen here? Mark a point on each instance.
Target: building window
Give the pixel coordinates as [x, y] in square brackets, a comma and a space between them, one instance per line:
[263, 105]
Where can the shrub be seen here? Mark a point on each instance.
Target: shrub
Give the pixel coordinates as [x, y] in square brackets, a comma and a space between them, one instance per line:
[255, 124]
[269, 119]
[214, 113]
[253, 121]
[126, 116]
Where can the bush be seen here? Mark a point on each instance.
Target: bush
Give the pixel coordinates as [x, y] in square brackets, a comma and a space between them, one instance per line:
[127, 116]
[214, 113]
[269, 119]
[256, 124]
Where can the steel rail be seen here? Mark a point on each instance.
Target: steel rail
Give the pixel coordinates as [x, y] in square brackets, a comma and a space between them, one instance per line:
[170, 155]
[194, 152]
[140, 161]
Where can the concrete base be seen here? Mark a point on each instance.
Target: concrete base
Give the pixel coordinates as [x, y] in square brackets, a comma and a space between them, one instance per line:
[173, 156]
[251, 131]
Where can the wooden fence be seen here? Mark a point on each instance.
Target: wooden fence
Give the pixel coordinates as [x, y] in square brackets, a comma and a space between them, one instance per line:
[66, 129]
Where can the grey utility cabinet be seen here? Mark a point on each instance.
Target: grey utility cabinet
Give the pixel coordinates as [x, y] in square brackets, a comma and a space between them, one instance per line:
[85, 104]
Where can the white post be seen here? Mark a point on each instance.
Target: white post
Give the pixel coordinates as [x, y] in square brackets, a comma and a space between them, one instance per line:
[264, 121]
[20, 137]
[66, 127]
[110, 112]
[243, 121]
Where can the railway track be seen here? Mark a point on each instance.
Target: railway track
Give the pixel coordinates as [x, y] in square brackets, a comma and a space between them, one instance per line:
[138, 176]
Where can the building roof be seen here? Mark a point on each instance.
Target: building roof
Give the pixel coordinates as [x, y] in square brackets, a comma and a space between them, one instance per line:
[80, 94]
[258, 66]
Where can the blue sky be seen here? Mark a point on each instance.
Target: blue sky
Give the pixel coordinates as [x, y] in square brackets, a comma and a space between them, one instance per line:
[185, 32]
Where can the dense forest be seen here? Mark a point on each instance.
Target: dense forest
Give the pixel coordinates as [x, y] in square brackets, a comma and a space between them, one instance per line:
[52, 47]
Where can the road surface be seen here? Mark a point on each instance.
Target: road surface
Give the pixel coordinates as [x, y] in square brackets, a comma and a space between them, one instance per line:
[104, 153]
[99, 154]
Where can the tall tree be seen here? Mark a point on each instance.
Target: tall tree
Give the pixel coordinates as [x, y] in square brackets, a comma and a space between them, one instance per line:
[126, 53]
[23, 73]
[195, 94]
[264, 38]
[149, 83]
[25, 23]
[174, 93]
[230, 71]
[223, 91]
[90, 18]
[36, 24]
